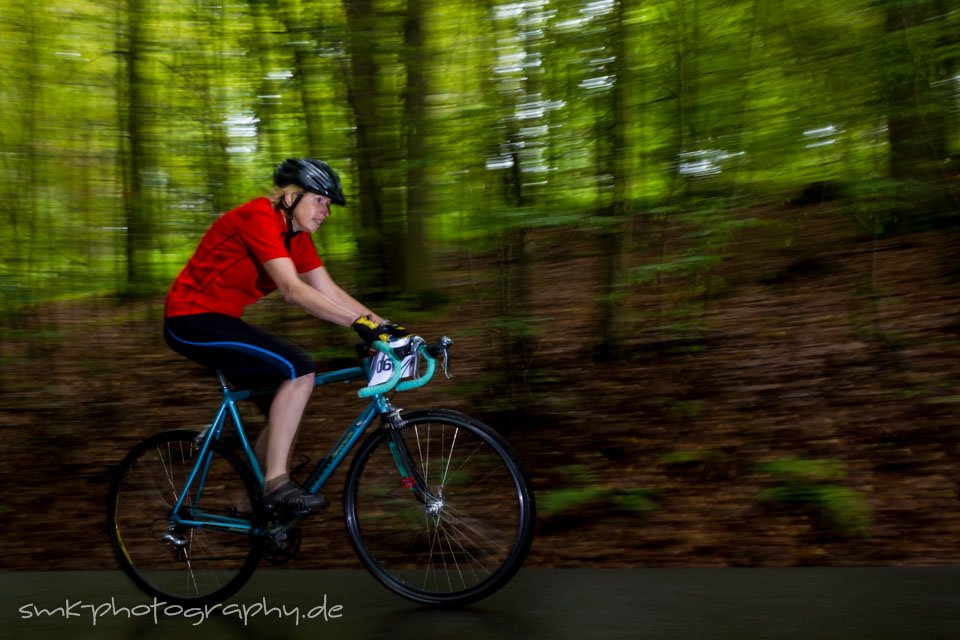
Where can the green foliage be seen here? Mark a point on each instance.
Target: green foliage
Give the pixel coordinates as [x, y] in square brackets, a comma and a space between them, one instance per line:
[683, 266]
[585, 493]
[685, 408]
[812, 484]
[876, 203]
[566, 499]
[569, 501]
[636, 500]
[802, 471]
[577, 474]
[691, 457]
[557, 501]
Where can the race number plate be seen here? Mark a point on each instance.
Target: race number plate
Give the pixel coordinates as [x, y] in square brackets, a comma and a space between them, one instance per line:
[382, 368]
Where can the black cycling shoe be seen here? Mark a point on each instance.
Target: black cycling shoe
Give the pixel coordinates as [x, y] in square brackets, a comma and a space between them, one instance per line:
[290, 497]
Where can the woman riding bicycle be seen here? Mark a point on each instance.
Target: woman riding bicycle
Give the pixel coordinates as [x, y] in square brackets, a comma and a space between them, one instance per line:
[247, 253]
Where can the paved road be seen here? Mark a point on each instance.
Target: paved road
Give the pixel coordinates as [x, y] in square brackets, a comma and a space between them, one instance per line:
[674, 604]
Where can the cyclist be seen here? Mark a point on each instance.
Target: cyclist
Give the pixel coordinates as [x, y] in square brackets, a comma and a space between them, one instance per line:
[259, 247]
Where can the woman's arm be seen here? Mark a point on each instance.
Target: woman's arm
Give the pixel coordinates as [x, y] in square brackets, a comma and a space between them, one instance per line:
[321, 280]
[301, 290]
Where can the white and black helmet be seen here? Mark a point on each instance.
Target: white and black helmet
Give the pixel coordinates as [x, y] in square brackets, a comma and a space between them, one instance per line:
[312, 175]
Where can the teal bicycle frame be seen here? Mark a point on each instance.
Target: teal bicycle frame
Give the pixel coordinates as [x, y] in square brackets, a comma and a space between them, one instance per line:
[193, 516]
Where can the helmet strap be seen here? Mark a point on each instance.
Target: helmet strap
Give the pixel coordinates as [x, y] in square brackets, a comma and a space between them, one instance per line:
[289, 209]
[288, 214]
[297, 201]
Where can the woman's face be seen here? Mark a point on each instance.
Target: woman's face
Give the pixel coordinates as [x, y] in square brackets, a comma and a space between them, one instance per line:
[310, 213]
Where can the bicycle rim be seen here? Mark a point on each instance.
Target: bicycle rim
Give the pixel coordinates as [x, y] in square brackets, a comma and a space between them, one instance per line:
[461, 541]
[177, 563]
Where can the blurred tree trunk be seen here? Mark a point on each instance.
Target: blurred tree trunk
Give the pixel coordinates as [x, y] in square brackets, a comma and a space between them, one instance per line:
[31, 210]
[309, 100]
[528, 194]
[684, 67]
[269, 93]
[133, 151]
[28, 260]
[216, 161]
[301, 31]
[918, 98]
[521, 97]
[371, 245]
[682, 80]
[418, 268]
[614, 162]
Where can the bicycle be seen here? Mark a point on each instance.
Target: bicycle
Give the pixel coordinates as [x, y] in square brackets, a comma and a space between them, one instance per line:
[437, 505]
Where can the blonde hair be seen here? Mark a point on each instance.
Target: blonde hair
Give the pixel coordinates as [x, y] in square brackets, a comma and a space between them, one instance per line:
[277, 193]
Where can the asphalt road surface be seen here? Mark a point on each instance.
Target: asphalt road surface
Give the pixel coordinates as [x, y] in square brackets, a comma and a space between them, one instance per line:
[676, 604]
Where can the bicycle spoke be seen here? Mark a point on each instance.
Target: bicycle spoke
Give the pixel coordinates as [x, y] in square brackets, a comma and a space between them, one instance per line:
[453, 444]
[424, 456]
[453, 558]
[453, 522]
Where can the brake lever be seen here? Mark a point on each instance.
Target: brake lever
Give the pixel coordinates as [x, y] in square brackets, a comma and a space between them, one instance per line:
[446, 364]
[415, 343]
[444, 347]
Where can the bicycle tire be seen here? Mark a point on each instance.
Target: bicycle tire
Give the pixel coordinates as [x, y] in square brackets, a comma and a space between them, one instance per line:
[480, 535]
[205, 565]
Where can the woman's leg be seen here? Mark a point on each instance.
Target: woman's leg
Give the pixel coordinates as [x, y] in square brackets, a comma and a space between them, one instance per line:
[250, 356]
[285, 414]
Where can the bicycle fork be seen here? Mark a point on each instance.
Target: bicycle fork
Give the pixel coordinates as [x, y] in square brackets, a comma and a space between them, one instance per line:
[410, 476]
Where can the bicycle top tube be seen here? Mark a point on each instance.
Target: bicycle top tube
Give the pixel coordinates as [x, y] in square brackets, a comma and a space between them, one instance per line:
[349, 374]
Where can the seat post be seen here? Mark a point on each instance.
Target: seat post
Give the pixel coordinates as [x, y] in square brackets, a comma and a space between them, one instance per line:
[223, 382]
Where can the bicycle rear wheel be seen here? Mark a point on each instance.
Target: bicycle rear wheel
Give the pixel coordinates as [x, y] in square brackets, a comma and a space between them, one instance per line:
[454, 527]
[175, 562]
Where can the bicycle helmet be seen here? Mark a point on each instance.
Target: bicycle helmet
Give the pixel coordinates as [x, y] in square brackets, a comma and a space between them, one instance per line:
[312, 175]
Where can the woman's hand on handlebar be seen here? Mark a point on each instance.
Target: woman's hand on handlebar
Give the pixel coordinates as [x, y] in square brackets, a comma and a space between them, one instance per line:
[394, 330]
[369, 331]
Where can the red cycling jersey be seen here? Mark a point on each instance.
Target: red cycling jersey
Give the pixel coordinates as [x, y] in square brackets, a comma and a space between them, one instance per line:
[226, 271]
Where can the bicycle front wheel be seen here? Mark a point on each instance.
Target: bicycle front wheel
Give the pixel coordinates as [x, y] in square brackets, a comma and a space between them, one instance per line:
[440, 510]
[210, 549]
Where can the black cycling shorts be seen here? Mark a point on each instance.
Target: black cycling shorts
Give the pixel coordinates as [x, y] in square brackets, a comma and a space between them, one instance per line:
[246, 355]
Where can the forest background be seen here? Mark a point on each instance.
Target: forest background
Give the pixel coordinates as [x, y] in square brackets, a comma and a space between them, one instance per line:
[699, 257]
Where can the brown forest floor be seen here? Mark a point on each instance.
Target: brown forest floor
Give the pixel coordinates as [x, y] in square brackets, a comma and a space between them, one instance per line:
[796, 360]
